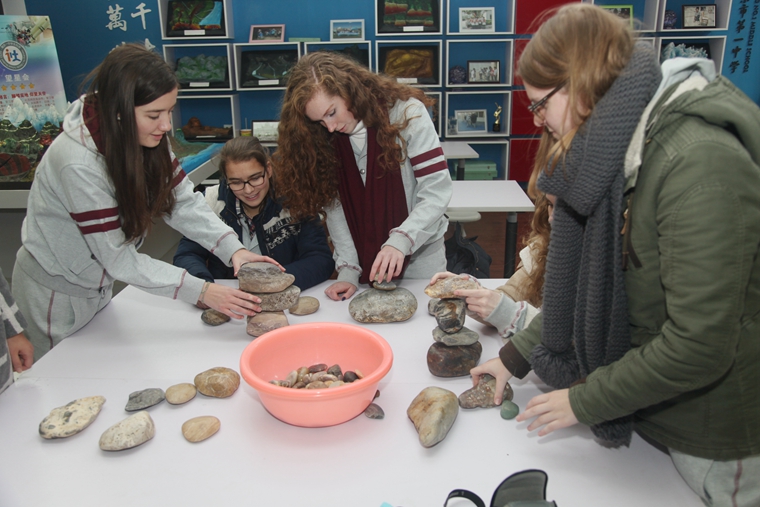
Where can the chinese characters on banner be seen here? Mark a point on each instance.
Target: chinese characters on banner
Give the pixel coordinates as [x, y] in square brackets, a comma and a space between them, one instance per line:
[115, 20]
[744, 35]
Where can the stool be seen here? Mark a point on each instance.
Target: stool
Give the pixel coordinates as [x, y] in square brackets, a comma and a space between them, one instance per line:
[462, 217]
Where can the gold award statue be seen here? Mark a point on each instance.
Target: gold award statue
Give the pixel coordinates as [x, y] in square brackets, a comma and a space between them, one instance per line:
[497, 121]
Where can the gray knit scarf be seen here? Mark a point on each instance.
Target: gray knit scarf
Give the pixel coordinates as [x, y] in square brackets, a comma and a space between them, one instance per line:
[585, 312]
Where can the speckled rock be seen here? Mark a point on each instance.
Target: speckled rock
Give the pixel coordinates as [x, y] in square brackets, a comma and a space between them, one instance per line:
[278, 301]
[450, 314]
[263, 277]
[214, 317]
[444, 288]
[481, 396]
[131, 432]
[306, 305]
[465, 336]
[509, 409]
[140, 400]
[384, 285]
[456, 361]
[433, 412]
[377, 306]
[71, 418]
[373, 411]
[181, 393]
[219, 382]
[264, 322]
[431, 305]
[200, 428]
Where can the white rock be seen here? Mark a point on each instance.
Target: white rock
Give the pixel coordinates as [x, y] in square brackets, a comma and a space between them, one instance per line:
[131, 432]
[71, 418]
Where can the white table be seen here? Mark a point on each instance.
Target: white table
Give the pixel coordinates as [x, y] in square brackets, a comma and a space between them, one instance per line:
[140, 341]
[461, 151]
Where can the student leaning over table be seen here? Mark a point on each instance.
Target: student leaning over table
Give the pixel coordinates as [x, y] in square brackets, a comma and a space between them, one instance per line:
[16, 352]
[96, 191]
[672, 343]
[362, 148]
[246, 200]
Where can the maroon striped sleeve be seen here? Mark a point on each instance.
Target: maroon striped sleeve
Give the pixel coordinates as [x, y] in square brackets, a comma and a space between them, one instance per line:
[178, 178]
[97, 214]
[428, 155]
[434, 167]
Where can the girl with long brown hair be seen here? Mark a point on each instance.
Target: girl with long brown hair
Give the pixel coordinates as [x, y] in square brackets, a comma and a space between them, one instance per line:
[362, 148]
[96, 192]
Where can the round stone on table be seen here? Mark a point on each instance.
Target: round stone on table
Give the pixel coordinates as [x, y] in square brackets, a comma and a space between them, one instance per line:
[264, 322]
[200, 428]
[306, 305]
[509, 409]
[433, 413]
[213, 317]
[263, 277]
[71, 418]
[373, 411]
[379, 306]
[131, 432]
[219, 382]
[456, 361]
[140, 400]
[181, 393]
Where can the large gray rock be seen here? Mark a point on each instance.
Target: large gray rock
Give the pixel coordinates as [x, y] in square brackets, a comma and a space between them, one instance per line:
[71, 418]
[445, 287]
[131, 432]
[278, 301]
[263, 277]
[378, 306]
[465, 336]
[450, 314]
[264, 322]
[433, 412]
[456, 361]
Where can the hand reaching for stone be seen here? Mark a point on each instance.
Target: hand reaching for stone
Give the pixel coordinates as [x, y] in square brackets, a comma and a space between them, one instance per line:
[480, 301]
[242, 256]
[495, 368]
[232, 302]
[340, 291]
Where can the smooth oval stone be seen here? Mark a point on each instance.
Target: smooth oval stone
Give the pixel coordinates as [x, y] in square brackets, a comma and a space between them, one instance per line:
[200, 428]
[140, 400]
[450, 314]
[306, 305]
[219, 382]
[131, 432]
[444, 288]
[378, 306]
[373, 411]
[213, 317]
[181, 393]
[71, 418]
[433, 412]
[264, 322]
[509, 409]
[263, 277]
[384, 285]
[278, 301]
[481, 396]
[463, 337]
[456, 361]
[431, 305]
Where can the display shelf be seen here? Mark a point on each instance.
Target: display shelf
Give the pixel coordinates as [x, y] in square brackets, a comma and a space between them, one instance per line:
[435, 111]
[211, 110]
[263, 66]
[461, 52]
[716, 43]
[431, 74]
[494, 151]
[164, 7]
[173, 52]
[361, 51]
[396, 18]
[722, 15]
[477, 101]
[503, 18]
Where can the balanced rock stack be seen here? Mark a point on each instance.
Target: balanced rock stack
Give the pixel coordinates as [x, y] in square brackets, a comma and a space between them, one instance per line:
[457, 349]
[384, 302]
[276, 291]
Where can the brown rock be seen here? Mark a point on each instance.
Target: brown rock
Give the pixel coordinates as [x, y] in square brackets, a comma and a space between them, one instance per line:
[264, 322]
[450, 314]
[181, 393]
[200, 428]
[445, 287]
[481, 396]
[433, 412]
[214, 317]
[457, 361]
[306, 305]
[219, 382]
[278, 301]
[263, 277]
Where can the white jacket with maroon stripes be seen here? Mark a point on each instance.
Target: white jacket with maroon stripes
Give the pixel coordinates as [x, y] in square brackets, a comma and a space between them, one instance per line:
[73, 232]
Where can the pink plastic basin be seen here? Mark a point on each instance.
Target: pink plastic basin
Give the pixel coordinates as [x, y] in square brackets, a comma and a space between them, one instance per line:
[275, 354]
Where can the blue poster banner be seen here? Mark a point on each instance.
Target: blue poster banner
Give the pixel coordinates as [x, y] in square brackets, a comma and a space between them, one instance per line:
[739, 65]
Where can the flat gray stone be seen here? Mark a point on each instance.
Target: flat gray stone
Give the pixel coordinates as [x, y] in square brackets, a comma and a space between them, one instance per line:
[278, 301]
[264, 322]
[465, 336]
[265, 277]
[378, 306]
[181, 393]
[306, 305]
[200, 428]
[373, 411]
[214, 317]
[450, 314]
[71, 418]
[456, 361]
[445, 287]
[481, 396]
[384, 285]
[131, 432]
[433, 413]
[219, 382]
[140, 400]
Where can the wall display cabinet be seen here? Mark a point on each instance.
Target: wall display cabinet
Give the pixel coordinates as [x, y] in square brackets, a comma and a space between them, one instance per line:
[404, 17]
[195, 19]
[472, 114]
[492, 162]
[472, 17]
[413, 62]
[201, 67]
[671, 14]
[714, 45]
[261, 66]
[475, 57]
[361, 51]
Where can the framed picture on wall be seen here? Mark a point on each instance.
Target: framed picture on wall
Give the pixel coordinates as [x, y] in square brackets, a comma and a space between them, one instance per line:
[476, 19]
[471, 121]
[267, 33]
[699, 16]
[346, 29]
[266, 68]
[266, 131]
[196, 18]
[410, 64]
[399, 17]
[622, 11]
[483, 71]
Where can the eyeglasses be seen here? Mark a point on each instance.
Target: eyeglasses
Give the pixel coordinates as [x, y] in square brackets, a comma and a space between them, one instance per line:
[253, 181]
[536, 107]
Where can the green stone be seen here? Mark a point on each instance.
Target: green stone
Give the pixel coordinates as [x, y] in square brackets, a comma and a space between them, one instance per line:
[509, 410]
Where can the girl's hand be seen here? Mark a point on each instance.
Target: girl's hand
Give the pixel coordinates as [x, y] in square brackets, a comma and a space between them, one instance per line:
[496, 369]
[552, 411]
[441, 276]
[21, 352]
[389, 261]
[232, 302]
[480, 301]
[340, 291]
[242, 256]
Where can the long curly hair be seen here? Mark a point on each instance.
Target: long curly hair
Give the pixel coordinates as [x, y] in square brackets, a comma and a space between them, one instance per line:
[305, 161]
[538, 241]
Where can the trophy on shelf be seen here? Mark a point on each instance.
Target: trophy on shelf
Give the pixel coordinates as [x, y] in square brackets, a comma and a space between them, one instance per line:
[497, 121]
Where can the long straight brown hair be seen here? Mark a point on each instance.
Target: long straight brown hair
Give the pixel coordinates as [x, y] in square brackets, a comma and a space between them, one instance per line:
[128, 77]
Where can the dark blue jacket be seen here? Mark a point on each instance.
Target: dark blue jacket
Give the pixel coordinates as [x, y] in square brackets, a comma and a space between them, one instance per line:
[301, 247]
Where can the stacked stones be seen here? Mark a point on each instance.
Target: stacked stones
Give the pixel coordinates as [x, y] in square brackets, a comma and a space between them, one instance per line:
[457, 349]
[276, 291]
[384, 302]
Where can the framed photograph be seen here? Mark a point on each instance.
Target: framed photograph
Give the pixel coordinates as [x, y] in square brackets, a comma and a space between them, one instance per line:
[476, 19]
[699, 16]
[201, 71]
[195, 18]
[346, 29]
[266, 68]
[622, 11]
[483, 71]
[267, 33]
[471, 121]
[396, 17]
[410, 64]
[266, 131]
